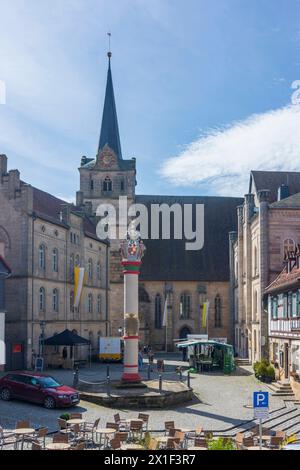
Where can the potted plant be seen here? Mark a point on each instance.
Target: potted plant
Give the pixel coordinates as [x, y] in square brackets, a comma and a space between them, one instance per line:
[65, 416]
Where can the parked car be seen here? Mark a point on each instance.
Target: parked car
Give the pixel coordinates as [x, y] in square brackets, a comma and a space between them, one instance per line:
[37, 388]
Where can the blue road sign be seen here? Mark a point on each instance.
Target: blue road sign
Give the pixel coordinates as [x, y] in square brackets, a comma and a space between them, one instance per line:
[261, 400]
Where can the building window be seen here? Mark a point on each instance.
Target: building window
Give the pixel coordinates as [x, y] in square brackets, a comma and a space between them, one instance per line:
[42, 257]
[77, 261]
[185, 306]
[55, 260]
[255, 261]
[294, 304]
[274, 307]
[42, 299]
[55, 300]
[285, 306]
[92, 185]
[98, 271]
[218, 322]
[255, 302]
[99, 304]
[122, 185]
[72, 301]
[90, 269]
[90, 303]
[288, 245]
[107, 184]
[158, 312]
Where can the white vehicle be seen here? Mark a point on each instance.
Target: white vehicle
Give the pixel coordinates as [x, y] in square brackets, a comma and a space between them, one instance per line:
[110, 349]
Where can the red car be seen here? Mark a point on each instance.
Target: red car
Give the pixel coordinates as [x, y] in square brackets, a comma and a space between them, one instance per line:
[37, 388]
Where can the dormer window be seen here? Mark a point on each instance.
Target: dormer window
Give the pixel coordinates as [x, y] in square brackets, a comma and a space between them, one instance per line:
[107, 184]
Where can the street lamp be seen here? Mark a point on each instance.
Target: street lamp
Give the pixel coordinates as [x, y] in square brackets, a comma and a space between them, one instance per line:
[120, 331]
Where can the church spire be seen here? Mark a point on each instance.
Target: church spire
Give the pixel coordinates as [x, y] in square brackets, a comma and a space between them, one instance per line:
[109, 129]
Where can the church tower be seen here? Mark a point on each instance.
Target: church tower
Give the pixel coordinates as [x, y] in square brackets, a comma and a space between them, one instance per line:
[102, 181]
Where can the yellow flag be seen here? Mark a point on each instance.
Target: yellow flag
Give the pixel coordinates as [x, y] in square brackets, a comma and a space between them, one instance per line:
[79, 278]
[205, 314]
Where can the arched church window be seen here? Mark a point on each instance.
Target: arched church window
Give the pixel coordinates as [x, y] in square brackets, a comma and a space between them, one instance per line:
[185, 306]
[158, 312]
[218, 319]
[42, 257]
[107, 184]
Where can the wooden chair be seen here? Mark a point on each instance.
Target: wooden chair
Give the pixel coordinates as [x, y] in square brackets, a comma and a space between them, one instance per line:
[57, 438]
[200, 442]
[180, 436]
[63, 426]
[136, 429]
[248, 442]
[115, 444]
[239, 440]
[122, 436]
[38, 438]
[36, 446]
[281, 434]
[145, 419]
[7, 439]
[22, 424]
[169, 425]
[275, 442]
[112, 426]
[122, 423]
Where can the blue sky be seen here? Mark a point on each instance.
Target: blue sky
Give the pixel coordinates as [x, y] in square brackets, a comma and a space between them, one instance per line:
[203, 89]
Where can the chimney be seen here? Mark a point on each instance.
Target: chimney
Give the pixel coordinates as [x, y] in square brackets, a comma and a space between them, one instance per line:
[13, 183]
[79, 198]
[3, 165]
[283, 192]
[88, 208]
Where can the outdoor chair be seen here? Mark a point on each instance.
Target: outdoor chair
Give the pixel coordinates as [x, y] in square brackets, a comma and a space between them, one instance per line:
[169, 425]
[112, 426]
[38, 438]
[77, 433]
[281, 434]
[79, 446]
[90, 428]
[200, 442]
[115, 444]
[239, 440]
[275, 442]
[136, 429]
[181, 438]
[36, 446]
[22, 424]
[122, 423]
[63, 426]
[122, 436]
[145, 419]
[248, 442]
[7, 439]
[57, 438]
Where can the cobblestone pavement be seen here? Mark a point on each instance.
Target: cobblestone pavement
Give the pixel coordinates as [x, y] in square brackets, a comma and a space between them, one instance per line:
[221, 401]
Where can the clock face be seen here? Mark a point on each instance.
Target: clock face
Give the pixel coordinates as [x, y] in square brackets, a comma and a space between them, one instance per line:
[108, 160]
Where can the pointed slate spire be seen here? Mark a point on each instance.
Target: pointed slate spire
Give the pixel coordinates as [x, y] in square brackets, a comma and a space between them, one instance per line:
[109, 129]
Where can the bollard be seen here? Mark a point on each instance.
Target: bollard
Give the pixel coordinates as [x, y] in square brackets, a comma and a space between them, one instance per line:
[75, 377]
[180, 374]
[189, 379]
[149, 372]
[160, 383]
[107, 371]
[108, 385]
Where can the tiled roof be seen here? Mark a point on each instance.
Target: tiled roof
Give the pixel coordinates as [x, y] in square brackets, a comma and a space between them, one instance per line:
[168, 260]
[292, 202]
[272, 180]
[284, 280]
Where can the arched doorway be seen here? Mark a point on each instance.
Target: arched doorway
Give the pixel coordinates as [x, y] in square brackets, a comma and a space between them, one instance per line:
[184, 332]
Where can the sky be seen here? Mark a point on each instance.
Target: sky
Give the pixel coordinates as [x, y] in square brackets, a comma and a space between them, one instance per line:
[206, 90]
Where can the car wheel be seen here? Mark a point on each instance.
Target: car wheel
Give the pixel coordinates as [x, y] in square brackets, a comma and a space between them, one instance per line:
[5, 394]
[49, 403]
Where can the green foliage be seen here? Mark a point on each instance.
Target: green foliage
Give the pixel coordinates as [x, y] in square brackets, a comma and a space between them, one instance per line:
[255, 367]
[271, 372]
[221, 444]
[65, 416]
[264, 370]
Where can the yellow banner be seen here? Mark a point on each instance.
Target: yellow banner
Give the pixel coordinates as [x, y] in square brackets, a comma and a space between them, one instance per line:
[205, 314]
[79, 278]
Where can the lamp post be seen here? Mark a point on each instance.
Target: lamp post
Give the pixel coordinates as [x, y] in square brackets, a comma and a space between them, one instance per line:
[132, 251]
[42, 338]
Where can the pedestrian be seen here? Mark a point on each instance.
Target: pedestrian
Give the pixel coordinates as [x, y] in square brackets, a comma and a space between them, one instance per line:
[140, 360]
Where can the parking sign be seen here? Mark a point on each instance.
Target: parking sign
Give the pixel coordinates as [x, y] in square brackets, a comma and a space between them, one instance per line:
[261, 404]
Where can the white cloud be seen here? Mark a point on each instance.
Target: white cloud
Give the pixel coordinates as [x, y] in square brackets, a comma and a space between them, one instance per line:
[222, 158]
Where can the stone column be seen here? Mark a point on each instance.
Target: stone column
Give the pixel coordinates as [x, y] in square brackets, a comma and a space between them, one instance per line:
[132, 250]
[263, 197]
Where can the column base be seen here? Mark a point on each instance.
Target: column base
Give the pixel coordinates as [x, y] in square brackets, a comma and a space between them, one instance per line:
[131, 378]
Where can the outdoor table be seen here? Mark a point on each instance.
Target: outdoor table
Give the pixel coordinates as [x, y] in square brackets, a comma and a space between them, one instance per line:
[131, 447]
[23, 432]
[58, 446]
[106, 432]
[197, 448]
[75, 421]
[134, 419]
